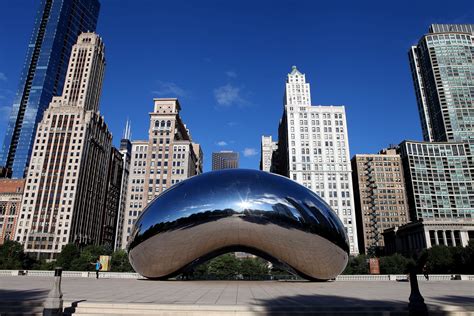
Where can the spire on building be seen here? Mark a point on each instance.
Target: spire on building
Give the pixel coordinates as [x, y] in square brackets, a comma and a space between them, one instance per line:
[295, 71]
[127, 132]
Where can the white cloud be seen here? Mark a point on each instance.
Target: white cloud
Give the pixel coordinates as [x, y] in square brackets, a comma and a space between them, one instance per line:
[229, 95]
[221, 143]
[248, 152]
[3, 77]
[231, 74]
[170, 89]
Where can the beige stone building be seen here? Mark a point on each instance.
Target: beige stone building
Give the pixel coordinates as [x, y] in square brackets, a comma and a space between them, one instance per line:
[379, 195]
[11, 193]
[313, 150]
[166, 158]
[66, 185]
[412, 238]
[268, 148]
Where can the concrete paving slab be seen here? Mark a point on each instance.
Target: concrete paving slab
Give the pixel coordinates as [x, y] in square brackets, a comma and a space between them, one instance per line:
[251, 294]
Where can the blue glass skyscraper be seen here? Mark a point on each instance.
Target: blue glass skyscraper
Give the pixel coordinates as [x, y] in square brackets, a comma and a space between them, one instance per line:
[57, 26]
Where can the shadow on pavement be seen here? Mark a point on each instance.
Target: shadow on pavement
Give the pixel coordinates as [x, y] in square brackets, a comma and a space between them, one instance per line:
[336, 305]
[456, 300]
[22, 301]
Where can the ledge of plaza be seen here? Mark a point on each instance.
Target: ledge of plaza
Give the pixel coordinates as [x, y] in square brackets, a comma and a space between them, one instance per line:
[133, 275]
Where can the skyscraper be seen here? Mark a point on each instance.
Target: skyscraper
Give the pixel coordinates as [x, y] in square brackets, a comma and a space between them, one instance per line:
[225, 160]
[439, 172]
[268, 148]
[166, 158]
[442, 66]
[58, 24]
[380, 196]
[313, 150]
[440, 180]
[67, 181]
[126, 152]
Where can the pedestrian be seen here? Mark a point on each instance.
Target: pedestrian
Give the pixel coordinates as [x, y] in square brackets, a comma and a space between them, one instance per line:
[98, 267]
[425, 272]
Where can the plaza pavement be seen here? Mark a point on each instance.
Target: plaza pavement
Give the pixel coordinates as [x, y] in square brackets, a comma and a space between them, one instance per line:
[261, 295]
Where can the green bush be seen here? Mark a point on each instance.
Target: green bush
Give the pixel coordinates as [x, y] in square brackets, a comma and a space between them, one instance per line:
[357, 265]
[12, 256]
[394, 264]
[119, 262]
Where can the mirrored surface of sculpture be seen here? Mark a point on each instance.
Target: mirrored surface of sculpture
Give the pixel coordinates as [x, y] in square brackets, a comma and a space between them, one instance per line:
[238, 210]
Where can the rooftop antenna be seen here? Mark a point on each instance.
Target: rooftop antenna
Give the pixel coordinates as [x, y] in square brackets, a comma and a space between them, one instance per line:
[127, 133]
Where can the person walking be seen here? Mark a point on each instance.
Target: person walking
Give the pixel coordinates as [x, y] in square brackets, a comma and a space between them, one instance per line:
[98, 267]
[425, 272]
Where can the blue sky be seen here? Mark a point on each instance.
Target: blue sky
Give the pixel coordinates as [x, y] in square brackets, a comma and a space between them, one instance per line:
[227, 61]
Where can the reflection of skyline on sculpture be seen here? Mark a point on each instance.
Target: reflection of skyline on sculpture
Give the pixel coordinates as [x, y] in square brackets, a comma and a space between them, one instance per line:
[266, 214]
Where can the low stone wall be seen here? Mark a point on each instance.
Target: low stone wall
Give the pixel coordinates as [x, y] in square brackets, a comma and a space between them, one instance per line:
[71, 274]
[133, 275]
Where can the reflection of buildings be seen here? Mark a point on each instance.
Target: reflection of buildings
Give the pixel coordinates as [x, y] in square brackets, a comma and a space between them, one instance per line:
[166, 158]
[57, 25]
[313, 150]
[66, 184]
[11, 193]
[283, 209]
[268, 147]
[379, 194]
[225, 160]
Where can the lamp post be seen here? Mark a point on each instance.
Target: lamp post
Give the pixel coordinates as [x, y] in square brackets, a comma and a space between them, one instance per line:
[53, 305]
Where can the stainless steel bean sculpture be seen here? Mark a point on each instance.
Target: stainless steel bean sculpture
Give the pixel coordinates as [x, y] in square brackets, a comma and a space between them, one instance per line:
[238, 210]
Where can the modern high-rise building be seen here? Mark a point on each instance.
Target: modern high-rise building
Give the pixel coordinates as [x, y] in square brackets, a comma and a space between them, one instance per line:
[11, 194]
[166, 158]
[225, 160]
[440, 180]
[126, 152]
[313, 149]
[268, 148]
[67, 179]
[57, 26]
[439, 172]
[113, 199]
[442, 66]
[380, 196]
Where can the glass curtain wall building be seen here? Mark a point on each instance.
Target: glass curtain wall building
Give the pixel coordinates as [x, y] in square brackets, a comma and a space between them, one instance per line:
[57, 26]
[440, 180]
[442, 67]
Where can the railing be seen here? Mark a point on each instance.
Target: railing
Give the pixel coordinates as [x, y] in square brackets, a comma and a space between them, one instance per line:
[369, 277]
[133, 275]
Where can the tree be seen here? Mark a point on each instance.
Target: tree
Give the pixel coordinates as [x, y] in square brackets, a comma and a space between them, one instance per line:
[468, 258]
[67, 255]
[224, 267]
[253, 268]
[394, 264]
[439, 260]
[88, 255]
[11, 255]
[357, 265]
[119, 262]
